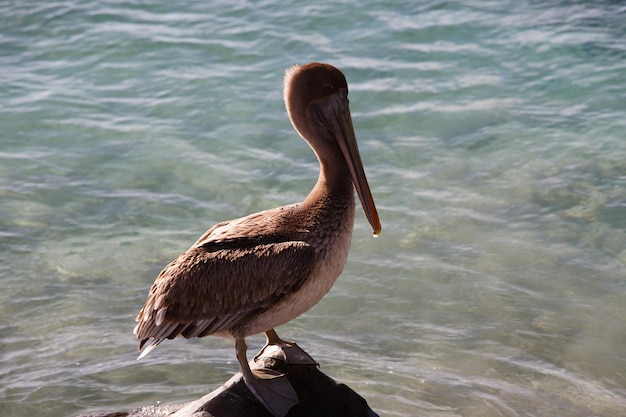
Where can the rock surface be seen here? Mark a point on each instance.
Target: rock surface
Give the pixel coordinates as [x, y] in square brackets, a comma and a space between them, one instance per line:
[319, 395]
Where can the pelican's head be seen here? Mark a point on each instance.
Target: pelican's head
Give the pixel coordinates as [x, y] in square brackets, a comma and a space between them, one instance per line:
[316, 97]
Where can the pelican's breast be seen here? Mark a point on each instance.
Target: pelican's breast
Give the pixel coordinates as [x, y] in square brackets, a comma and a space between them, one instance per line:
[332, 249]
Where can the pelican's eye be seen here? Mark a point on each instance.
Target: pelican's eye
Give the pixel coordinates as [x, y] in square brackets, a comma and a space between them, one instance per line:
[327, 89]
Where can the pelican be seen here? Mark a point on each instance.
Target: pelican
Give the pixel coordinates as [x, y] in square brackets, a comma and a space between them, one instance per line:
[252, 274]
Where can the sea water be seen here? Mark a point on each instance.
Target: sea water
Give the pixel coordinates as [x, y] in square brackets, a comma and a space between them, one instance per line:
[493, 134]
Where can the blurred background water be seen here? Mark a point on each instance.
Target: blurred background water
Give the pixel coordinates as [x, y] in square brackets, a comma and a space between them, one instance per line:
[493, 135]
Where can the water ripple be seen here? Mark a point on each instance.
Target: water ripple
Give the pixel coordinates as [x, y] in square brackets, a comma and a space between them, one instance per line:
[492, 134]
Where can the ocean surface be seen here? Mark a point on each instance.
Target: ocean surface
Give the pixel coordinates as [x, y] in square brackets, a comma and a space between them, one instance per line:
[493, 134]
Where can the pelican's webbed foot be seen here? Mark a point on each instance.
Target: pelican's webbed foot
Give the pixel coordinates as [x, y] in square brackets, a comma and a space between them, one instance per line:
[271, 388]
[288, 352]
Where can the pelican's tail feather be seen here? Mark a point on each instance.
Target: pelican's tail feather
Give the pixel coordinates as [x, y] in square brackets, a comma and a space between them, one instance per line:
[149, 348]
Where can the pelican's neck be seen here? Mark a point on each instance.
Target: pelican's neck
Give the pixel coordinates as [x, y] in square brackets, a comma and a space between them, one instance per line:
[334, 188]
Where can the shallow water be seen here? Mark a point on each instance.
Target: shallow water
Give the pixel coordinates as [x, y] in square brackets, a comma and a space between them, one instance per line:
[493, 139]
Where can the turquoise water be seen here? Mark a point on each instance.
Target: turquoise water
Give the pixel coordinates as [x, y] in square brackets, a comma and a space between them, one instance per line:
[494, 138]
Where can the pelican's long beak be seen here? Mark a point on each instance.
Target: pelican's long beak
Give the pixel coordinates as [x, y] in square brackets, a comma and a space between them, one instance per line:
[341, 126]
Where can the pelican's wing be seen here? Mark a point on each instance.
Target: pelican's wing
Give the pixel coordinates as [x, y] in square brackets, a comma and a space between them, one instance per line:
[219, 283]
[263, 227]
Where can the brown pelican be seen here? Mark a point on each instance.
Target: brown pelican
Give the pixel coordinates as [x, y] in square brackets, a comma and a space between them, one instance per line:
[249, 275]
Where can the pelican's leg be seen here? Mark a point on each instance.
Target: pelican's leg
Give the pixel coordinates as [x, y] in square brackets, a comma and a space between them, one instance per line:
[271, 388]
[273, 339]
[288, 352]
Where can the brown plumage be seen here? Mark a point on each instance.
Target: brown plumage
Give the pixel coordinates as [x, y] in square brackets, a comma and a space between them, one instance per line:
[249, 275]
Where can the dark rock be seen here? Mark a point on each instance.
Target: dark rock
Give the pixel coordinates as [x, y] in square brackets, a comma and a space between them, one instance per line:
[319, 395]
